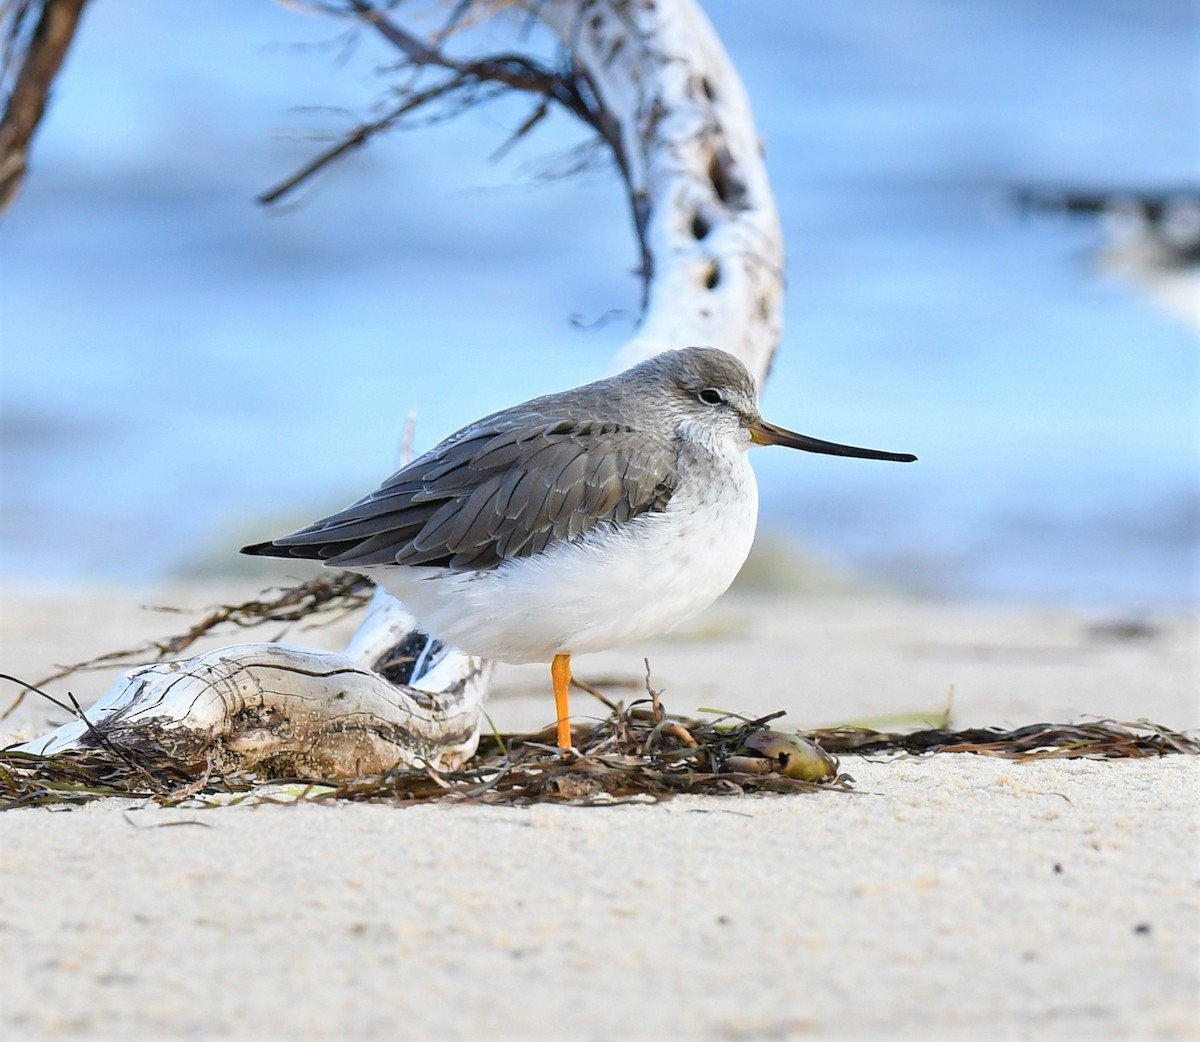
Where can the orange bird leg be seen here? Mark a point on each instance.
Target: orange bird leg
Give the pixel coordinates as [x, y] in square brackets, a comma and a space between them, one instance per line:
[560, 673]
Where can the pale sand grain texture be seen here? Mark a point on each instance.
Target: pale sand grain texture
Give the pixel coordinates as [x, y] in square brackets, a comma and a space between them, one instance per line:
[948, 897]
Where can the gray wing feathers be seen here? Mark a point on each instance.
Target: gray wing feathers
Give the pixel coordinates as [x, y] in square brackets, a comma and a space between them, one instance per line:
[489, 496]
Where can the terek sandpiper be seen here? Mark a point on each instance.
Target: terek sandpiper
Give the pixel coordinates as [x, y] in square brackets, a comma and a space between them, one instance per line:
[574, 522]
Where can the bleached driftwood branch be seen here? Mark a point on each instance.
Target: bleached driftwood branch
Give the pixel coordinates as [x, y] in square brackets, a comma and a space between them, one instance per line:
[395, 697]
[691, 157]
[653, 79]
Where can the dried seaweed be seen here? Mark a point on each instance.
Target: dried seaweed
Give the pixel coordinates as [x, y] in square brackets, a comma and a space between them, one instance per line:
[637, 753]
[1099, 739]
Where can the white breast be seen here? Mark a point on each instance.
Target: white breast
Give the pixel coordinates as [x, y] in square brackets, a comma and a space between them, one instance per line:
[616, 585]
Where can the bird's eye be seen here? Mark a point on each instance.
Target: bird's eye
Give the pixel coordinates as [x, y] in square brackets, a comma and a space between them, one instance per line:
[710, 396]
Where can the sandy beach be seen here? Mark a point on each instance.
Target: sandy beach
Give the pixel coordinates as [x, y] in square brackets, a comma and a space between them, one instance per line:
[948, 896]
[251, 268]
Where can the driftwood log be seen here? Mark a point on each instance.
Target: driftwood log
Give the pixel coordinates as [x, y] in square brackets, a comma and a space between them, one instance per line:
[653, 79]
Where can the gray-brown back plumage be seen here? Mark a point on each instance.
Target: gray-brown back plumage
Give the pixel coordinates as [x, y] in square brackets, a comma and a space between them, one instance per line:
[510, 484]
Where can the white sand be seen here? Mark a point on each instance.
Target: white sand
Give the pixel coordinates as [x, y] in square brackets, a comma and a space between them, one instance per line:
[949, 897]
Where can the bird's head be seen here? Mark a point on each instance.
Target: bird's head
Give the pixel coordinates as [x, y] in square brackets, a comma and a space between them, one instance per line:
[715, 396]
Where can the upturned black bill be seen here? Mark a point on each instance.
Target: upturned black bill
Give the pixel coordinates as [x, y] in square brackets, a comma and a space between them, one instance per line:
[763, 433]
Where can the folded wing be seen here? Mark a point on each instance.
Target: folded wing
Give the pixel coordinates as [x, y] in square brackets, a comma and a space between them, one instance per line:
[491, 494]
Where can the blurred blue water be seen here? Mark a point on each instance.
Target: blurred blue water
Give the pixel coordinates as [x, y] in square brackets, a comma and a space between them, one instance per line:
[181, 368]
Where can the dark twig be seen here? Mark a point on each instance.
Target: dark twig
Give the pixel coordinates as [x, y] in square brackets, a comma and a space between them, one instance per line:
[568, 86]
[105, 743]
[513, 71]
[43, 57]
[358, 137]
[656, 704]
[596, 693]
[36, 689]
[535, 117]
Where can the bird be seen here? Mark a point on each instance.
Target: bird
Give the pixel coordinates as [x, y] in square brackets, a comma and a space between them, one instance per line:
[574, 522]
